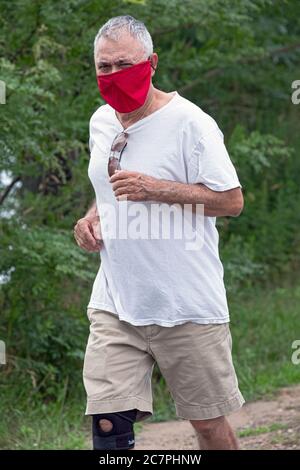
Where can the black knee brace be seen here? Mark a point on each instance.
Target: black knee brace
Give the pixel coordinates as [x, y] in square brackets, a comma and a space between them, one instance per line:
[121, 436]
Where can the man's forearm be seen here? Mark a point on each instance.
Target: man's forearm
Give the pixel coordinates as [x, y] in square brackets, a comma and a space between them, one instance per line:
[216, 203]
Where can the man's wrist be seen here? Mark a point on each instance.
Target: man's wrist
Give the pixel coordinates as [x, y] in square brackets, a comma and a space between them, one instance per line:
[92, 214]
[90, 218]
[161, 191]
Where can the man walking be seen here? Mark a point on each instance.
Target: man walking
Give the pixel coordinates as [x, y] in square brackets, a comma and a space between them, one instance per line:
[153, 299]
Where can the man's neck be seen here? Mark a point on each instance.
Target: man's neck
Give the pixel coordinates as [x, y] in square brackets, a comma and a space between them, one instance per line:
[127, 119]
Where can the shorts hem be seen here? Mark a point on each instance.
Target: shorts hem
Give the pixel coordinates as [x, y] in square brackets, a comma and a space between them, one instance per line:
[195, 412]
[144, 407]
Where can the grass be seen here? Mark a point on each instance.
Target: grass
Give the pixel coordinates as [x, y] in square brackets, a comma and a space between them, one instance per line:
[33, 424]
[264, 323]
[261, 430]
[264, 327]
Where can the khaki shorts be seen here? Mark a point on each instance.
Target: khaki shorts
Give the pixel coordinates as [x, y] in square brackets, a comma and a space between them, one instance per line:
[194, 359]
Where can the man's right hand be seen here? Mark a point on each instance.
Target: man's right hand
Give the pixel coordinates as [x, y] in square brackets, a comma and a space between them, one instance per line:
[87, 233]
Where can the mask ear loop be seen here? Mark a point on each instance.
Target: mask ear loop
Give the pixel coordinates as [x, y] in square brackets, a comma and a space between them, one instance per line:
[154, 68]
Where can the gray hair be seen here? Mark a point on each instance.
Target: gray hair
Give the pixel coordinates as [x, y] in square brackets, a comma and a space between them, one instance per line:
[113, 28]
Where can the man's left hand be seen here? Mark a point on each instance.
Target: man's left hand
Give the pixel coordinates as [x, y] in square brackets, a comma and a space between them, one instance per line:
[133, 186]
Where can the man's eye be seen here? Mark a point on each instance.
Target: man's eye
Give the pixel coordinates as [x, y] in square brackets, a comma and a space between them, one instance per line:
[107, 68]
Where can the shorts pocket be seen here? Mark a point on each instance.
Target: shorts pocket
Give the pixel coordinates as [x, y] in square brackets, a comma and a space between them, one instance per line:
[89, 312]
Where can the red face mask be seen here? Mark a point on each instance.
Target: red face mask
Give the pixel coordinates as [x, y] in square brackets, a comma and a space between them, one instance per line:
[127, 89]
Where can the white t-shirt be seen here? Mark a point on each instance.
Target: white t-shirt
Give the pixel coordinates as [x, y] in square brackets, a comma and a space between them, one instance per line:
[158, 280]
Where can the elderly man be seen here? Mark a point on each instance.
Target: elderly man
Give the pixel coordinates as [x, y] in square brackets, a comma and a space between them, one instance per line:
[154, 300]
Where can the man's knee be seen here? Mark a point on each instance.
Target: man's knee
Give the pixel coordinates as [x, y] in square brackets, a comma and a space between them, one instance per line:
[208, 426]
[114, 430]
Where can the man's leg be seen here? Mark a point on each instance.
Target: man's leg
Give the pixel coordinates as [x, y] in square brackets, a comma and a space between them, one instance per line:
[116, 397]
[196, 362]
[114, 430]
[215, 434]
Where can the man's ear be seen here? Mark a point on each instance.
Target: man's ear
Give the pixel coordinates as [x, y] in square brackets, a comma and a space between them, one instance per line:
[154, 62]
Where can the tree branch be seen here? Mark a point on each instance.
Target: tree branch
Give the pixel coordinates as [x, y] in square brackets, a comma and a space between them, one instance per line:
[8, 189]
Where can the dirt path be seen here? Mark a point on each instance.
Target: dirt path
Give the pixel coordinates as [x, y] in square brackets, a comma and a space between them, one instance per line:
[265, 424]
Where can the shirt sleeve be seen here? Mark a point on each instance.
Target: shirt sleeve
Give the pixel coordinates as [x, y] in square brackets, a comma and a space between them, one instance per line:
[91, 143]
[211, 165]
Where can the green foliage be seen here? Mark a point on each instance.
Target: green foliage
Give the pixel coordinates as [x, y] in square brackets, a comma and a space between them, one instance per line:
[40, 269]
[266, 236]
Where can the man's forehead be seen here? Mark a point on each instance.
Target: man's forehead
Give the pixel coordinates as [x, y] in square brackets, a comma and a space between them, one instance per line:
[115, 56]
[126, 47]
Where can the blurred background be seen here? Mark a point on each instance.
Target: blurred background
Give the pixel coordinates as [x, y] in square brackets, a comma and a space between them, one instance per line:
[235, 59]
